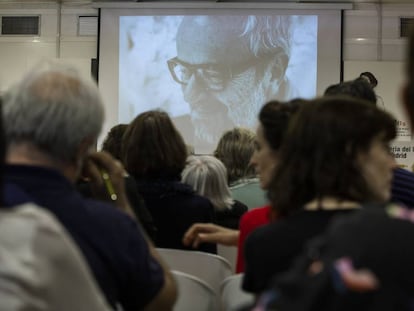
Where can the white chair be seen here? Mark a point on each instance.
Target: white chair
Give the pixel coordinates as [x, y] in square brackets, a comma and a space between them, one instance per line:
[232, 296]
[229, 253]
[212, 269]
[194, 294]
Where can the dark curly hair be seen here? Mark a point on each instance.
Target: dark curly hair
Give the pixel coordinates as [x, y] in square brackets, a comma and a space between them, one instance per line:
[322, 142]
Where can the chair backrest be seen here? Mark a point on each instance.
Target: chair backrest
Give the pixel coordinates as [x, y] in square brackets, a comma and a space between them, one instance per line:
[229, 253]
[232, 296]
[212, 269]
[194, 294]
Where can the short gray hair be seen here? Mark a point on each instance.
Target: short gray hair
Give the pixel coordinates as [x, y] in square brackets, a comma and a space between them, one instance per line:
[268, 34]
[54, 109]
[208, 177]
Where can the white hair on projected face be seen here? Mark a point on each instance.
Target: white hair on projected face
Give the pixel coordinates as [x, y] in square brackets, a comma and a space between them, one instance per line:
[208, 177]
[53, 108]
[268, 34]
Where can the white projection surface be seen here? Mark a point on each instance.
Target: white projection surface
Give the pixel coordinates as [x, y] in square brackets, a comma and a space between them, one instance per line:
[212, 70]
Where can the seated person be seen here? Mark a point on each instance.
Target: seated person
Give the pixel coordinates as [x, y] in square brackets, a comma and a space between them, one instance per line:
[273, 122]
[113, 145]
[41, 268]
[402, 190]
[52, 119]
[154, 154]
[235, 149]
[330, 167]
[208, 177]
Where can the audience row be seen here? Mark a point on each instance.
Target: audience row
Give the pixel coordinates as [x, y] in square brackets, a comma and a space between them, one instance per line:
[313, 201]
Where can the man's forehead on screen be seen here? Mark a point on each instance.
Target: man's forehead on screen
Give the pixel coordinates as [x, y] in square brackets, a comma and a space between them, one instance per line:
[212, 40]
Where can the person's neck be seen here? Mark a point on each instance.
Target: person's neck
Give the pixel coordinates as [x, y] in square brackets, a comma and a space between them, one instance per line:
[28, 154]
[330, 203]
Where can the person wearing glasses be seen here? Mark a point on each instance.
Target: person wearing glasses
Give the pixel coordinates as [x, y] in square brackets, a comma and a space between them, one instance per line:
[228, 66]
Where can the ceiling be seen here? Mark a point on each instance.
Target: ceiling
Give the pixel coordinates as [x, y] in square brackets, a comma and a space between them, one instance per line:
[269, 1]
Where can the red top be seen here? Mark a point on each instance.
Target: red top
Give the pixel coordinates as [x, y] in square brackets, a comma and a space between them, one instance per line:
[248, 222]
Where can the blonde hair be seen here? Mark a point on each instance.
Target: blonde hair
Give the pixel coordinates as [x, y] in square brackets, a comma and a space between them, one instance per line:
[235, 149]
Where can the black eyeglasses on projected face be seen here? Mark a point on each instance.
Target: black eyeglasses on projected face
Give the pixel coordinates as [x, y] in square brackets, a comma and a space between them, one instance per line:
[214, 76]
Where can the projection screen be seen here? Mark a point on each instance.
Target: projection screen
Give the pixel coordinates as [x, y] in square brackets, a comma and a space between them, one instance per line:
[212, 69]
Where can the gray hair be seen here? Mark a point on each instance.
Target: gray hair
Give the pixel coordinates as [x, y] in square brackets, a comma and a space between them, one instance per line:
[208, 177]
[54, 109]
[268, 34]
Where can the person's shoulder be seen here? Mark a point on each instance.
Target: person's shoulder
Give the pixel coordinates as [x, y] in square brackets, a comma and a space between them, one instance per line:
[239, 207]
[403, 173]
[265, 233]
[37, 247]
[30, 216]
[258, 211]
[256, 215]
[107, 217]
[196, 199]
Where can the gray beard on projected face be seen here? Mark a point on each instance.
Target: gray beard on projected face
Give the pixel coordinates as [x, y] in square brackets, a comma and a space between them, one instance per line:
[210, 127]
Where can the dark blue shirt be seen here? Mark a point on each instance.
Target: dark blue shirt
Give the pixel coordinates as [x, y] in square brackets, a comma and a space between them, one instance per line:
[110, 241]
[402, 189]
[174, 207]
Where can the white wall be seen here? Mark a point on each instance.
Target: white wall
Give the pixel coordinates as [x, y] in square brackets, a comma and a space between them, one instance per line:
[371, 33]
[371, 43]
[19, 53]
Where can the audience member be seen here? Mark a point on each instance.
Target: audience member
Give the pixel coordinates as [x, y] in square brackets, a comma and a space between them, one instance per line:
[402, 190]
[358, 88]
[273, 122]
[363, 262]
[330, 167]
[154, 154]
[208, 177]
[113, 144]
[370, 78]
[235, 149]
[52, 118]
[113, 141]
[41, 268]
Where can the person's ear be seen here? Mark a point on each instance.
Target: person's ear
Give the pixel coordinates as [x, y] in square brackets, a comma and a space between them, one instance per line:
[407, 99]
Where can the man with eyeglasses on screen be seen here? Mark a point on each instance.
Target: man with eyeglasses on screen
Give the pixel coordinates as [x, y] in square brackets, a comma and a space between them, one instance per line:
[228, 66]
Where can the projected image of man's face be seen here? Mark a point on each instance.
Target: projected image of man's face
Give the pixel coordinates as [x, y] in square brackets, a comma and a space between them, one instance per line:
[227, 70]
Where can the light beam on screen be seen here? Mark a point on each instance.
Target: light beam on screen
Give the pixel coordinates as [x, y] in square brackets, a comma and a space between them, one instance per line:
[231, 93]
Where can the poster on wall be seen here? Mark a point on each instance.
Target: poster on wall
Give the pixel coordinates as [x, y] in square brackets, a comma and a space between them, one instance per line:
[388, 98]
[403, 130]
[403, 153]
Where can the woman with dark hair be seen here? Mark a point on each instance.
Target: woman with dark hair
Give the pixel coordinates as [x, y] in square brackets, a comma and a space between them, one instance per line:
[335, 158]
[113, 140]
[154, 153]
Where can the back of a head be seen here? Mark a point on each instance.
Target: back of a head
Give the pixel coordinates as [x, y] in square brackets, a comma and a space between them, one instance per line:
[358, 88]
[319, 156]
[55, 109]
[235, 149]
[274, 118]
[152, 147]
[370, 78]
[208, 177]
[113, 140]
